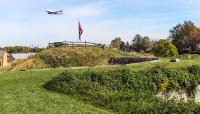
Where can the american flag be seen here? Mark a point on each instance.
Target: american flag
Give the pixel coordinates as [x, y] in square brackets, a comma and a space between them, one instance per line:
[80, 30]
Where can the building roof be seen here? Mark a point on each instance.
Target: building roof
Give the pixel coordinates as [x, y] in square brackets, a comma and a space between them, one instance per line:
[22, 55]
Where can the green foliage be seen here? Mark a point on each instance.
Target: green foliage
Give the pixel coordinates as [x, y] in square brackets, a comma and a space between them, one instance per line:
[125, 91]
[22, 49]
[127, 47]
[194, 69]
[118, 43]
[36, 49]
[141, 44]
[58, 44]
[164, 85]
[164, 48]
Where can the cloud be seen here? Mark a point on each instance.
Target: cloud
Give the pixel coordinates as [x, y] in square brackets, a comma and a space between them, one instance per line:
[191, 3]
[92, 10]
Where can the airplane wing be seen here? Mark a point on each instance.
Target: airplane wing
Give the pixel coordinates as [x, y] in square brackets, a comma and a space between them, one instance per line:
[49, 10]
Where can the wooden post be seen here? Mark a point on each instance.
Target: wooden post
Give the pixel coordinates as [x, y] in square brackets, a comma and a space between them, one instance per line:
[85, 44]
[49, 45]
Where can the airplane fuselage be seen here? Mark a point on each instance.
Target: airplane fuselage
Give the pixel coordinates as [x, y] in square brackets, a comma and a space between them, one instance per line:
[54, 12]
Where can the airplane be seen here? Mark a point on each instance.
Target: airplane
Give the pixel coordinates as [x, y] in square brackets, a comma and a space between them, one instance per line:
[54, 12]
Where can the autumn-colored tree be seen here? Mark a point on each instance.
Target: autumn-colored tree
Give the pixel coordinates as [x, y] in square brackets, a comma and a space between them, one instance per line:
[185, 36]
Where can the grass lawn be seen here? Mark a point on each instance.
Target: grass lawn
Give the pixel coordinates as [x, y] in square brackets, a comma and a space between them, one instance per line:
[22, 92]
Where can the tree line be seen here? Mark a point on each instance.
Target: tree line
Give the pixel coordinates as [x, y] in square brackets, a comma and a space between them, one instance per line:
[183, 38]
[21, 49]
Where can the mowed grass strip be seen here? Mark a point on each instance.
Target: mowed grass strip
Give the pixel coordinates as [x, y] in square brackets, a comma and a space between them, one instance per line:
[22, 92]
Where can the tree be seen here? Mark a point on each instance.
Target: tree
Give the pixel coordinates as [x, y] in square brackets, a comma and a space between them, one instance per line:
[146, 44]
[22, 49]
[36, 49]
[117, 43]
[58, 44]
[140, 43]
[185, 36]
[17, 49]
[127, 47]
[122, 46]
[165, 48]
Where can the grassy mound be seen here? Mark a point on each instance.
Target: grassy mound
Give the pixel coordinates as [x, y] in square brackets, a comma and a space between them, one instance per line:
[79, 56]
[69, 57]
[125, 91]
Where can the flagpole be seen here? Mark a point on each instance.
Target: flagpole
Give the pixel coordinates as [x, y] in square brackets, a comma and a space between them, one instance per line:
[80, 30]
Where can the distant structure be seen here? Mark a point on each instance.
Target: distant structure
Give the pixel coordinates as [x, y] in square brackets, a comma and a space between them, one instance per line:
[4, 58]
[20, 56]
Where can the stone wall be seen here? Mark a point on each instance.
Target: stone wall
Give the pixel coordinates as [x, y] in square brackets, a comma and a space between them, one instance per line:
[181, 95]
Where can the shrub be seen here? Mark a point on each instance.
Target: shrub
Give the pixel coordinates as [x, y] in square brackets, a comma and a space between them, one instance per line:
[124, 91]
[165, 48]
[194, 69]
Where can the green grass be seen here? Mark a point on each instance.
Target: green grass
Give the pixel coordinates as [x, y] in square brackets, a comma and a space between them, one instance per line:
[22, 92]
[165, 62]
[132, 89]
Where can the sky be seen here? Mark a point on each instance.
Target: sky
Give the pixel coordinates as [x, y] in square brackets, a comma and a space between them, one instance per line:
[25, 22]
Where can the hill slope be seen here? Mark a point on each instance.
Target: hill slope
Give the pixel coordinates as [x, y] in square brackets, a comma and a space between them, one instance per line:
[69, 57]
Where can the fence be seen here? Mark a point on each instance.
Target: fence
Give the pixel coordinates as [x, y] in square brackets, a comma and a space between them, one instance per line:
[75, 44]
